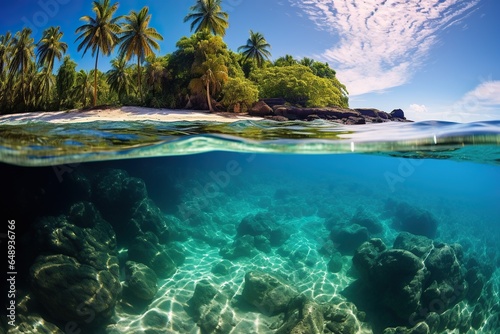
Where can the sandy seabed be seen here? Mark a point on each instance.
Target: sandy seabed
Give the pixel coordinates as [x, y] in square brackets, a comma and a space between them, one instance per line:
[124, 114]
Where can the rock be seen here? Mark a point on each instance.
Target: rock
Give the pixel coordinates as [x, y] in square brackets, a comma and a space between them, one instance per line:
[307, 317]
[260, 109]
[269, 294]
[341, 318]
[71, 291]
[349, 238]
[420, 328]
[368, 220]
[418, 245]
[154, 321]
[141, 281]
[335, 263]
[366, 255]
[148, 218]
[477, 317]
[32, 324]
[242, 247]
[221, 268]
[395, 264]
[209, 309]
[263, 244]
[397, 113]
[277, 118]
[262, 224]
[416, 221]
[476, 281]
[443, 264]
[145, 249]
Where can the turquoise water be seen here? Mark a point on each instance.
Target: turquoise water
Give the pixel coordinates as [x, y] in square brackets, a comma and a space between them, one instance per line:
[254, 227]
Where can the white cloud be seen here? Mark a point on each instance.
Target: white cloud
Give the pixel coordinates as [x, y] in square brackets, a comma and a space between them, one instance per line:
[382, 42]
[418, 108]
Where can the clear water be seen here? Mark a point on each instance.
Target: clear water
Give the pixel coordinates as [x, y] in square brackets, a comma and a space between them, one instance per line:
[325, 188]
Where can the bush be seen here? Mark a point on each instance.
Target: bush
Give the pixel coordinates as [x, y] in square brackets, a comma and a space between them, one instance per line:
[239, 91]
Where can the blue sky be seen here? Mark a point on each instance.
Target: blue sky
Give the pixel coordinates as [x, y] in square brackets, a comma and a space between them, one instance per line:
[435, 59]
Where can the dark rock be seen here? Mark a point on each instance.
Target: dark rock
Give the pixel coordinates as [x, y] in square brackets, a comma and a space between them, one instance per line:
[32, 324]
[148, 218]
[397, 113]
[368, 112]
[366, 255]
[307, 317]
[208, 308]
[443, 264]
[71, 291]
[416, 221]
[477, 317]
[335, 263]
[353, 120]
[279, 235]
[341, 318]
[260, 109]
[263, 225]
[418, 245]
[141, 281]
[272, 102]
[221, 268]
[349, 238]
[476, 281]
[242, 247]
[368, 220]
[144, 249]
[433, 320]
[277, 118]
[395, 263]
[154, 321]
[262, 244]
[269, 294]
[420, 328]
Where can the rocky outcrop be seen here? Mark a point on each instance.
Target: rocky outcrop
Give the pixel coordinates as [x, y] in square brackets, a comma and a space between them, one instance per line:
[280, 112]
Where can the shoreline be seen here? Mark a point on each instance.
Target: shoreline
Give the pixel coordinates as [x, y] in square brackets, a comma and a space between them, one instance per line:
[124, 113]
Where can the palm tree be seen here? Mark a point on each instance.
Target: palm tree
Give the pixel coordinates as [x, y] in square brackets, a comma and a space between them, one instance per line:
[22, 57]
[287, 60]
[99, 33]
[118, 77]
[83, 87]
[138, 39]
[156, 73]
[307, 62]
[45, 83]
[208, 15]
[50, 47]
[256, 48]
[5, 48]
[213, 72]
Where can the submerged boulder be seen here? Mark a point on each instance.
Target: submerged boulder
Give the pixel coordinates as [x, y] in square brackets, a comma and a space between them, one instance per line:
[349, 238]
[268, 293]
[413, 220]
[141, 281]
[72, 291]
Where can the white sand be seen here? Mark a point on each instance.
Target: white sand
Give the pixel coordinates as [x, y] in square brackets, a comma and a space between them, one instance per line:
[123, 114]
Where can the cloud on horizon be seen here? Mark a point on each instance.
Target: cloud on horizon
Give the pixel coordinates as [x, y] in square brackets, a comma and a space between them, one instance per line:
[381, 42]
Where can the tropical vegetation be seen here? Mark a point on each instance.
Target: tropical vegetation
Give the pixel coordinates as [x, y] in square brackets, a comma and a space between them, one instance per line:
[202, 72]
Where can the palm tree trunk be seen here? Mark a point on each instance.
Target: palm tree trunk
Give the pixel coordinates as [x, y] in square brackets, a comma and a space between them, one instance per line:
[95, 78]
[208, 97]
[139, 76]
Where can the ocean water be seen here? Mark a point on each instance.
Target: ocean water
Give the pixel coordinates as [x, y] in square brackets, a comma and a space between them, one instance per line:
[251, 227]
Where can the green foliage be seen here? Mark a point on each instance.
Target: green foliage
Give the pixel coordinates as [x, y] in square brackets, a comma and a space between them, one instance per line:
[298, 84]
[256, 49]
[239, 91]
[286, 60]
[65, 80]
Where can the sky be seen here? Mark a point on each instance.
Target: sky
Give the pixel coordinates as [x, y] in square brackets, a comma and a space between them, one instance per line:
[435, 59]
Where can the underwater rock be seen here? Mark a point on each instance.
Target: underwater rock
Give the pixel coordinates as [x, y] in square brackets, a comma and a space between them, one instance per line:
[368, 220]
[71, 291]
[222, 268]
[305, 316]
[268, 293]
[477, 317]
[475, 281]
[443, 264]
[411, 219]
[242, 247]
[154, 321]
[366, 255]
[262, 224]
[262, 243]
[335, 263]
[341, 318]
[141, 281]
[209, 309]
[148, 218]
[349, 238]
[32, 324]
[417, 244]
[420, 328]
[394, 264]
[146, 250]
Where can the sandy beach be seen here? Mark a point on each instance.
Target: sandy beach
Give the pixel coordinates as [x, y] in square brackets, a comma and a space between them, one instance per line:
[123, 113]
